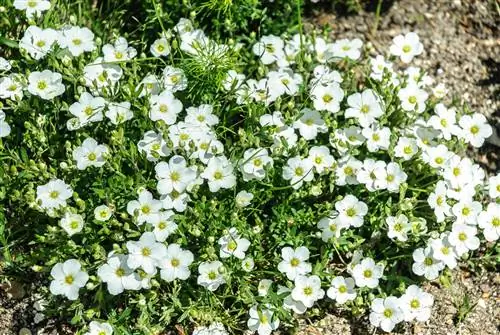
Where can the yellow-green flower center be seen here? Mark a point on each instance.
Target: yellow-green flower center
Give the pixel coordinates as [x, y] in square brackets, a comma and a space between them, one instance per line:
[42, 85]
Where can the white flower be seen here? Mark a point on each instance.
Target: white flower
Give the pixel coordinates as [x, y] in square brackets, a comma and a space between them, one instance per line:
[11, 87]
[443, 251]
[294, 262]
[119, 112]
[149, 85]
[97, 328]
[78, 40]
[175, 264]
[53, 194]
[264, 287]
[437, 156]
[394, 177]
[201, 115]
[377, 138]
[254, 163]
[175, 200]
[475, 129]
[261, 91]
[207, 146]
[463, 238]
[437, 201]
[4, 126]
[466, 211]
[160, 47]
[145, 209]
[321, 158]
[285, 81]
[406, 148]
[493, 186]
[372, 173]
[324, 76]
[307, 290]
[215, 328]
[46, 84]
[262, 321]
[347, 48]
[248, 264]
[90, 153]
[99, 75]
[164, 226]
[297, 171]
[458, 171]
[233, 245]
[102, 213]
[5, 64]
[269, 49]
[489, 221]
[284, 139]
[219, 173]
[416, 304]
[321, 49]
[289, 303]
[347, 171]
[398, 227]
[174, 175]
[32, 7]
[341, 290]
[72, 223]
[88, 109]
[425, 264]
[211, 275]
[153, 145]
[367, 273]
[145, 253]
[406, 47]
[174, 79]
[38, 42]
[119, 51]
[310, 124]
[365, 107]
[233, 80]
[351, 211]
[444, 121]
[243, 198]
[330, 226]
[386, 313]
[415, 76]
[379, 65]
[118, 275]
[68, 279]
[164, 107]
[440, 91]
[328, 97]
[413, 98]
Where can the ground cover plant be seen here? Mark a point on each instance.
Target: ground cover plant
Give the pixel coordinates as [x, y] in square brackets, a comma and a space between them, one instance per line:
[224, 182]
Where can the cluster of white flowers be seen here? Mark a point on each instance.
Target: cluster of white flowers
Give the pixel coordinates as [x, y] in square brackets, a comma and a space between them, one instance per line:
[352, 139]
[414, 304]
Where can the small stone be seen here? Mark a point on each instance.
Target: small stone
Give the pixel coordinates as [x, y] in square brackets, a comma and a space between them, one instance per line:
[481, 303]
